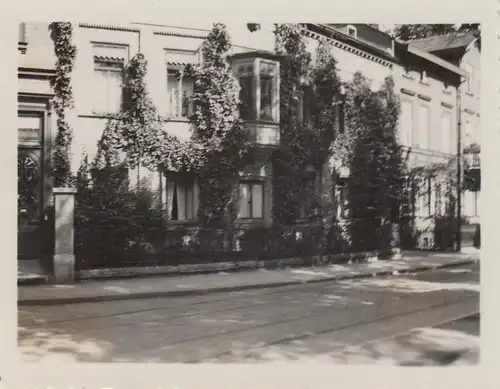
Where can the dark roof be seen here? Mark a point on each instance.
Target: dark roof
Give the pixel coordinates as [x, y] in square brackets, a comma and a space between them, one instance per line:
[443, 42]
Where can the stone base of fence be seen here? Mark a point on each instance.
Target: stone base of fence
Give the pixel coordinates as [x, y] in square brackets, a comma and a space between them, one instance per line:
[316, 260]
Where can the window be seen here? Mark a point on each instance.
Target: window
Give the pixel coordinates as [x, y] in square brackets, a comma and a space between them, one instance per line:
[426, 197]
[341, 118]
[446, 139]
[342, 201]
[309, 190]
[246, 97]
[180, 90]
[470, 77]
[468, 130]
[423, 126]
[182, 198]
[406, 126]
[108, 85]
[251, 200]
[266, 95]
[352, 31]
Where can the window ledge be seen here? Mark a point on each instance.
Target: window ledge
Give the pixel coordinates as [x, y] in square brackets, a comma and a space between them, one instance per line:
[259, 121]
[250, 221]
[192, 222]
[425, 83]
[469, 94]
[22, 47]
[408, 76]
[96, 115]
[177, 119]
[447, 92]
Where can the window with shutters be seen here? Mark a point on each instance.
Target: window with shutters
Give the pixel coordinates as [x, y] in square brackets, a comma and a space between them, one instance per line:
[251, 200]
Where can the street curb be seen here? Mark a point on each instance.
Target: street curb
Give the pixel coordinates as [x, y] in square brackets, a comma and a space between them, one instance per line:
[196, 292]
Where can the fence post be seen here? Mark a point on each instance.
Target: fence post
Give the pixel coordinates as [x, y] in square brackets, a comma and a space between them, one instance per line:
[64, 256]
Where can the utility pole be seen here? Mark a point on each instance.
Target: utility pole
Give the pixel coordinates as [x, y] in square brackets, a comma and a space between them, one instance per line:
[459, 170]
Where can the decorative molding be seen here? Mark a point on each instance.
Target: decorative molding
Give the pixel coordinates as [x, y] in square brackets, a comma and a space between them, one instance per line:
[447, 105]
[38, 73]
[349, 48]
[408, 92]
[22, 47]
[109, 27]
[424, 97]
[178, 34]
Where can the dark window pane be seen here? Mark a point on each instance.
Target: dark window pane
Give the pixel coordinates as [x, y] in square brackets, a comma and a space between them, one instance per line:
[246, 97]
[266, 85]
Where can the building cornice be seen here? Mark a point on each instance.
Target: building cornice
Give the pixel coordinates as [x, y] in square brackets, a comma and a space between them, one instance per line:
[35, 72]
[382, 59]
[178, 34]
[109, 27]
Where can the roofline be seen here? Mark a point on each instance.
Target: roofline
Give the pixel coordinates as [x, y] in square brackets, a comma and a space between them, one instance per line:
[335, 34]
[435, 60]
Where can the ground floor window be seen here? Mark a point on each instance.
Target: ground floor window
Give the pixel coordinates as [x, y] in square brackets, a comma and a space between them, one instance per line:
[182, 195]
[251, 200]
[342, 201]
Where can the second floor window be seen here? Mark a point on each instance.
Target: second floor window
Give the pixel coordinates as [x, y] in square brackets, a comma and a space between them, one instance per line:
[266, 95]
[180, 90]
[246, 97]
[108, 85]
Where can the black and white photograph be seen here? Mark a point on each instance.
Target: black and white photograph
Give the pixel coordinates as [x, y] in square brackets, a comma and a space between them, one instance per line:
[249, 193]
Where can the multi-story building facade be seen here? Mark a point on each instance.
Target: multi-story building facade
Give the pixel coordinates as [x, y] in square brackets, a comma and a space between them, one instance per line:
[429, 92]
[464, 51]
[103, 51]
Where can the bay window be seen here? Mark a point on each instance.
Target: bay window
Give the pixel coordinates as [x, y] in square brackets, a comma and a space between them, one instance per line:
[251, 200]
[258, 79]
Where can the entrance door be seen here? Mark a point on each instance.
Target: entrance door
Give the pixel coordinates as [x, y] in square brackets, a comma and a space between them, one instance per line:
[29, 200]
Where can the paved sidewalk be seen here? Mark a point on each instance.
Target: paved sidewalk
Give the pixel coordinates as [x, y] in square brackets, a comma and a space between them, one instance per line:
[148, 287]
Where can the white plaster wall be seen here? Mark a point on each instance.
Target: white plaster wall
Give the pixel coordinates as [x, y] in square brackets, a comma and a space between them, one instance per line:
[349, 63]
[472, 101]
[438, 145]
[40, 51]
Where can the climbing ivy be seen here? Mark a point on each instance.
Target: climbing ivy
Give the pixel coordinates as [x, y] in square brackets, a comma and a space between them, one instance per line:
[217, 148]
[292, 157]
[309, 98]
[218, 130]
[369, 148]
[62, 33]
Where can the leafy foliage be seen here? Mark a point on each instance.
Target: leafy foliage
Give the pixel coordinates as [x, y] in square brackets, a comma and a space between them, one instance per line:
[61, 33]
[419, 31]
[369, 148]
[219, 132]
